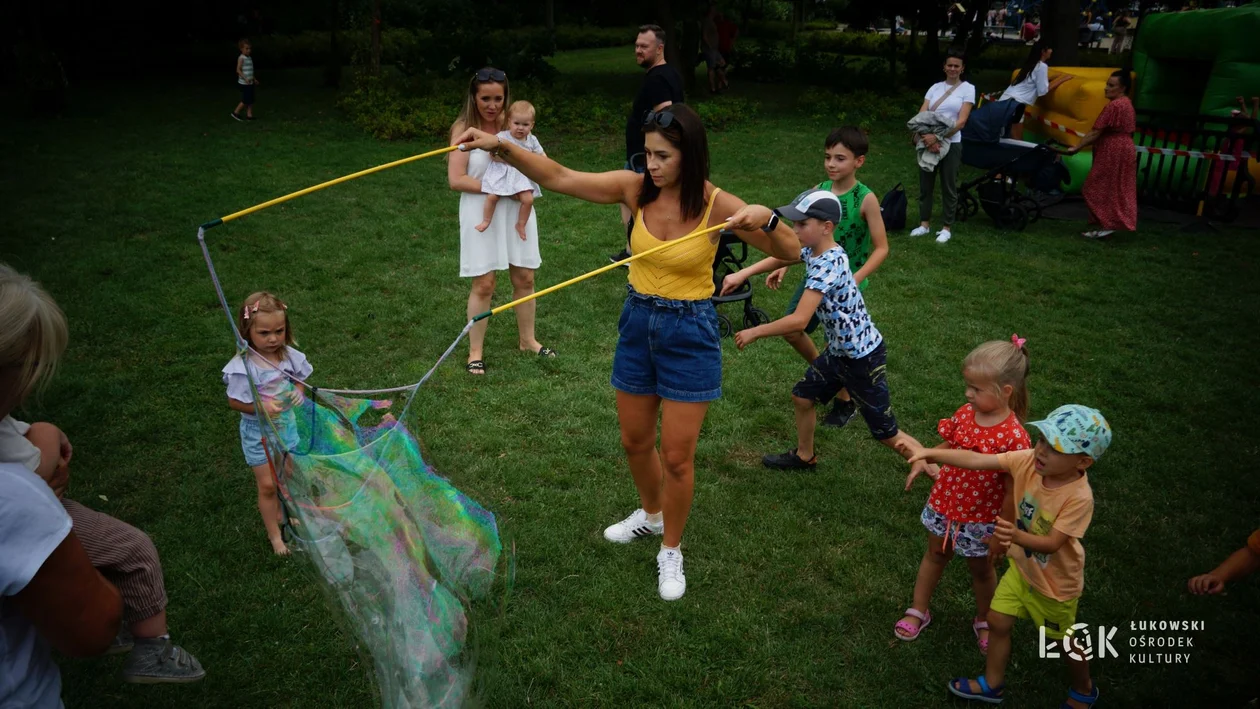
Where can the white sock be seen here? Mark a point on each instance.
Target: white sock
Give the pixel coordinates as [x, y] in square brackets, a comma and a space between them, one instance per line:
[677, 548]
[656, 517]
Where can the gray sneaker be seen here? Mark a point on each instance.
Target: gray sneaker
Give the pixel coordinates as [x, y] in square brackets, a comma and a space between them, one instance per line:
[123, 642]
[159, 661]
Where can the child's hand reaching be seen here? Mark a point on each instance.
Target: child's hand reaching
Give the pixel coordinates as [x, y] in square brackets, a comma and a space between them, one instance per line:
[1004, 532]
[775, 278]
[997, 550]
[744, 338]
[920, 468]
[1208, 584]
[732, 283]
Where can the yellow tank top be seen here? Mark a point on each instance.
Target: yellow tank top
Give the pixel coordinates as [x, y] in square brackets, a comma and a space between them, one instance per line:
[683, 272]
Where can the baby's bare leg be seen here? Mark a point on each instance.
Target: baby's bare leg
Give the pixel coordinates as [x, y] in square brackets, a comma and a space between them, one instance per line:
[527, 206]
[487, 212]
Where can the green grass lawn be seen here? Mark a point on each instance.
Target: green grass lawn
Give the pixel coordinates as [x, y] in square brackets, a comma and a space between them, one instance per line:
[795, 581]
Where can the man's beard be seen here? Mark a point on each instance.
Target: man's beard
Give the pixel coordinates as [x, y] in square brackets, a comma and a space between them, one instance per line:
[647, 63]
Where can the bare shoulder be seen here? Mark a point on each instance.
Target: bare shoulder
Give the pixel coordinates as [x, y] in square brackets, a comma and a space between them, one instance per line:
[725, 204]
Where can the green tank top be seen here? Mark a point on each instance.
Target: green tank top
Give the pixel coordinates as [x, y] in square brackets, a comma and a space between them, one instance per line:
[852, 233]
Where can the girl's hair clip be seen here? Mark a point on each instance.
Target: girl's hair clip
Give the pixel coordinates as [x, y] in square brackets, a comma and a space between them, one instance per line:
[1018, 341]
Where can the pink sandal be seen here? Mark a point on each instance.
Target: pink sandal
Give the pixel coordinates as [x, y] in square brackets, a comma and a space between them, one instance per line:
[925, 619]
[976, 626]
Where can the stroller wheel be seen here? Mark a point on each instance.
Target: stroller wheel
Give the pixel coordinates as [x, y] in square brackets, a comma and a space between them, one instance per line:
[1012, 216]
[754, 317]
[968, 205]
[725, 328]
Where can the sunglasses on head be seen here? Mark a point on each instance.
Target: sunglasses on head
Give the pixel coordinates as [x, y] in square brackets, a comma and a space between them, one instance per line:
[491, 75]
[663, 119]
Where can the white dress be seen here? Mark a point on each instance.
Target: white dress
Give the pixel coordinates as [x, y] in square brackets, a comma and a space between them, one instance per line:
[499, 246]
[503, 179]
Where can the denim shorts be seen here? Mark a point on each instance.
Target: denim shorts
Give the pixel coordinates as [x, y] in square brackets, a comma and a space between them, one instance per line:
[966, 538]
[670, 348]
[251, 438]
[865, 378]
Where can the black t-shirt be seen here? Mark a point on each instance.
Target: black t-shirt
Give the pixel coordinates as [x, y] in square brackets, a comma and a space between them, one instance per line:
[661, 84]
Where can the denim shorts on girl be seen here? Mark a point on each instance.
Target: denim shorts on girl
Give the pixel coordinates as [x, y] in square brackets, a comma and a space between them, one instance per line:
[965, 538]
[670, 348]
[251, 438]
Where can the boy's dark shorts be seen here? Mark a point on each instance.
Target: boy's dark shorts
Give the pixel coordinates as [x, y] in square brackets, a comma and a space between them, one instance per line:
[796, 300]
[866, 378]
[247, 94]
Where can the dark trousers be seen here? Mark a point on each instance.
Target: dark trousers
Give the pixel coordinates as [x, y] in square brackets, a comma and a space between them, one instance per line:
[947, 169]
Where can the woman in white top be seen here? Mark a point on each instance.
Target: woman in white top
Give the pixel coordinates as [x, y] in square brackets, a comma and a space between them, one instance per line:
[952, 98]
[499, 247]
[1030, 83]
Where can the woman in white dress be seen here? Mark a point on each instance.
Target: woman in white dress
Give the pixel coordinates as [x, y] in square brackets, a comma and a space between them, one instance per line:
[498, 248]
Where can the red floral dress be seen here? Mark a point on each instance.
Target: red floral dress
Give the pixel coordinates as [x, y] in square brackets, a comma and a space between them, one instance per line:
[1110, 190]
[967, 496]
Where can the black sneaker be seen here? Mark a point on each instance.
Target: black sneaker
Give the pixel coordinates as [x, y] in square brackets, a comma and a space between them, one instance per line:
[841, 413]
[789, 461]
[619, 256]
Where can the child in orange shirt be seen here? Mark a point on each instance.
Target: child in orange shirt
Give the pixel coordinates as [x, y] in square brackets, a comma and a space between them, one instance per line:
[1053, 506]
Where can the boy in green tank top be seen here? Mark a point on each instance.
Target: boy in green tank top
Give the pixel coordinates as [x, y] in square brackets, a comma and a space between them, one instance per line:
[860, 232]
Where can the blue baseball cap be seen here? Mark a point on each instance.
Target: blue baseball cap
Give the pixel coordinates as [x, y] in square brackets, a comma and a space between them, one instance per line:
[1073, 428]
[812, 204]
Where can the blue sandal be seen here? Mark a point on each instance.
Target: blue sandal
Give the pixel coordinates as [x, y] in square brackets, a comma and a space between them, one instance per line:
[960, 687]
[1086, 699]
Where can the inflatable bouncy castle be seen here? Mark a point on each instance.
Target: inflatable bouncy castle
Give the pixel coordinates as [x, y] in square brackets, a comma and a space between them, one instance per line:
[1192, 63]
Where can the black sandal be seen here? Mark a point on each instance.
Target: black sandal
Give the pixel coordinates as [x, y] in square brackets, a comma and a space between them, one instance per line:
[546, 352]
[476, 366]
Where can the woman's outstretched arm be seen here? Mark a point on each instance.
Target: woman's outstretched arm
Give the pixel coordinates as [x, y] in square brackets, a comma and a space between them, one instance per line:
[617, 186]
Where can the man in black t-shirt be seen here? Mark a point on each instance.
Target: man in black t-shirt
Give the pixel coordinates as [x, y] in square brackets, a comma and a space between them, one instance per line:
[661, 87]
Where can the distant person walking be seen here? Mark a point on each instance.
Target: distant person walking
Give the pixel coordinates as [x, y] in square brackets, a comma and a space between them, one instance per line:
[661, 87]
[1110, 191]
[245, 80]
[712, 56]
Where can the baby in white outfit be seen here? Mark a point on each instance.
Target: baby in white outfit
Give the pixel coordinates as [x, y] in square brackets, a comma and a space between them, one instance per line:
[503, 180]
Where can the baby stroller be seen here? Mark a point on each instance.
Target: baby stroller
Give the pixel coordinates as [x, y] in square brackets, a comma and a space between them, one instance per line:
[1010, 167]
[731, 254]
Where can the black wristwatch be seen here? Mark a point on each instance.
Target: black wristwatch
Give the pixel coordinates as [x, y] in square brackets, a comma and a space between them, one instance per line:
[772, 224]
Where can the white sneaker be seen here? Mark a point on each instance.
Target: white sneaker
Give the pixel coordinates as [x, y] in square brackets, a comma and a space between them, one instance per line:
[919, 230]
[942, 236]
[636, 526]
[670, 580]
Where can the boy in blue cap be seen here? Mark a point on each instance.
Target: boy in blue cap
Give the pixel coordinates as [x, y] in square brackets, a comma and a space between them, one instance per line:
[1053, 505]
[855, 358]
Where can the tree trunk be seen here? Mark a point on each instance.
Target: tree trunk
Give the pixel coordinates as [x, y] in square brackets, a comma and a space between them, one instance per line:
[892, 43]
[332, 69]
[673, 43]
[376, 37]
[798, 16]
[1060, 29]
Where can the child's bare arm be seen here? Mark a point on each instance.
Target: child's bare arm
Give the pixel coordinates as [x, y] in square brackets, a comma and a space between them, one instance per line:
[1236, 565]
[240, 406]
[733, 281]
[958, 458]
[879, 237]
[795, 322]
[240, 67]
[47, 438]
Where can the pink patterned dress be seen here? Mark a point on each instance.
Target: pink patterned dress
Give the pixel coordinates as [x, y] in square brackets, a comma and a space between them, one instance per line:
[1110, 191]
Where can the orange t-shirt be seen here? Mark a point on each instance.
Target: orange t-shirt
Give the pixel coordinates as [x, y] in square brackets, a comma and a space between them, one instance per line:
[1038, 510]
[1253, 542]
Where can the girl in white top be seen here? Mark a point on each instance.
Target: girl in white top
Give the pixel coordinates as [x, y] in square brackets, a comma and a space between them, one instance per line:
[503, 180]
[952, 98]
[1030, 83]
[273, 365]
[499, 247]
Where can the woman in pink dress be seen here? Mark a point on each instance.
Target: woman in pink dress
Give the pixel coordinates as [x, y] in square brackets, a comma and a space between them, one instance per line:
[1110, 191]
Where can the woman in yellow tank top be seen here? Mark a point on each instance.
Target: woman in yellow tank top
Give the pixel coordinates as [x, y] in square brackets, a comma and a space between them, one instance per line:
[668, 362]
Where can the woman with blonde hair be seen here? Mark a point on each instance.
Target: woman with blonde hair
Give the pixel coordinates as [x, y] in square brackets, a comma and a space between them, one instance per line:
[499, 247]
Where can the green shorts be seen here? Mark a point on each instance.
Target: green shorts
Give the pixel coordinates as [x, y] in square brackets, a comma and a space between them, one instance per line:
[1014, 597]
